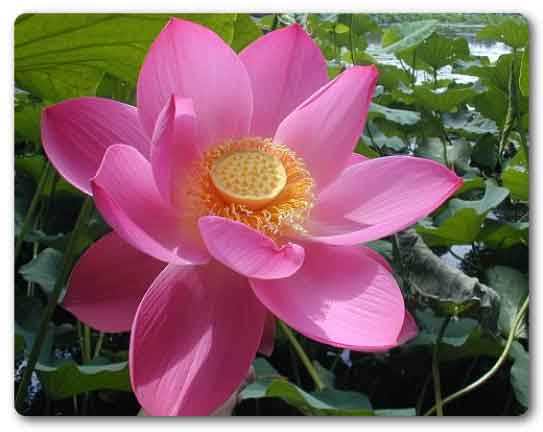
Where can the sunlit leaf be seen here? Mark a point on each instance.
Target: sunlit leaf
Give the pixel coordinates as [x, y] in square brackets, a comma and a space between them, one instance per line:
[461, 228]
[114, 88]
[391, 76]
[493, 196]
[504, 235]
[245, 31]
[515, 177]
[399, 37]
[443, 100]
[492, 104]
[438, 51]
[511, 31]
[471, 184]
[365, 150]
[58, 56]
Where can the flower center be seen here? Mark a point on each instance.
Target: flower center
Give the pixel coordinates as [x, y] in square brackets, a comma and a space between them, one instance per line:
[252, 178]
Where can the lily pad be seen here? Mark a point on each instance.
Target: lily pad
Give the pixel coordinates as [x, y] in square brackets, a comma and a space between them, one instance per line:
[511, 31]
[500, 235]
[438, 51]
[520, 374]
[402, 117]
[512, 286]
[67, 378]
[44, 269]
[515, 177]
[58, 56]
[400, 37]
[435, 283]
[329, 401]
[443, 100]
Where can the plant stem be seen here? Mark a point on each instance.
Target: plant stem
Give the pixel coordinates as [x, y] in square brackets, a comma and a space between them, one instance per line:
[512, 111]
[373, 145]
[435, 367]
[404, 68]
[69, 258]
[497, 365]
[458, 257]
[76, 408]
[444, 139]
[335, 45]
[29, 217]
[86, 343]
[335, 362]
[44, 211]
[275, 22]
[294, 365]
[80, 338]
[508, 402]
[98, 346]
[470, 370]
[524, 146]
[420, 400]
[351, 40]
[413, 69]
[30, 286]
[301, 353]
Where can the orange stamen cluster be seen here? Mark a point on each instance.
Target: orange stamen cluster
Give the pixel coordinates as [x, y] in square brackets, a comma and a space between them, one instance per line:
[253, 181]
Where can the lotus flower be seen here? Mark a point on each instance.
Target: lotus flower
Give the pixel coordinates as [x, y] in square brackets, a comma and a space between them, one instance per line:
[235, 197]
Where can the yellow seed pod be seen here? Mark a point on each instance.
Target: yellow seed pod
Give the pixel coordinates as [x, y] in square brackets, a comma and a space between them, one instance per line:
[252, 178]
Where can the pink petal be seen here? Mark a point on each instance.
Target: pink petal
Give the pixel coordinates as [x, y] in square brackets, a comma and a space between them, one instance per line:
[356, 158]
[125, 193]
[378, 257]
[409, 329]
[379, 197]
[190, 61]
[247, 251]
[340, 296]
[268, 336]
[286, 67]
[174, 146]
[108, 283]
[325, 128]
[194, 337]
[77, 132]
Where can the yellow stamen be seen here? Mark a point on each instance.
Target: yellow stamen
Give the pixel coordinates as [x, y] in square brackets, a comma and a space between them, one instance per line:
[253, 181]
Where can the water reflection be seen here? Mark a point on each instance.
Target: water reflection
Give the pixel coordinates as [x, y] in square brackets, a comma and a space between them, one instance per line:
[478, 48]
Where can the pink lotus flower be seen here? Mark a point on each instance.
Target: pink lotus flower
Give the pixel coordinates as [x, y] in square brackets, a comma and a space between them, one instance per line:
[234, 196]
